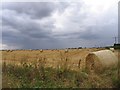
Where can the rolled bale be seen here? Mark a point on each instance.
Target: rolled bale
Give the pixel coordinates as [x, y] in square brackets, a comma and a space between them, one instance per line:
[41, 50]
[30, 49]
[101, 60]
[66, 51]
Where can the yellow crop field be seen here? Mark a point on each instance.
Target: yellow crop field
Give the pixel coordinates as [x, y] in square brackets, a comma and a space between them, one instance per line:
[51, 57]
[53, 68]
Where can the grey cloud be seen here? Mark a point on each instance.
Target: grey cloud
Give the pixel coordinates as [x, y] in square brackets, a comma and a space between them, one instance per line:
[85, 35]
[24, 32]
[26, 36]
[30, 25]
[61, 6]
[27, 26]
[88, 35]
[34, 10]
[24, 41]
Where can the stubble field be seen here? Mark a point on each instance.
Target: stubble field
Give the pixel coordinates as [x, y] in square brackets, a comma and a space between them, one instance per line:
[53, 68]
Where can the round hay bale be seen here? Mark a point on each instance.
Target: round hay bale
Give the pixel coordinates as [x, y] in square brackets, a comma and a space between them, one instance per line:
[41, 50]
[66, 50]
[100, 60]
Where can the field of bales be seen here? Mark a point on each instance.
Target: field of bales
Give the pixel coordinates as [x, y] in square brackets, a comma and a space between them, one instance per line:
[54, 69]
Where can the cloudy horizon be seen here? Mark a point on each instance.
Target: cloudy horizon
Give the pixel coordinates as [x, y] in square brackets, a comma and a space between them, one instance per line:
[52, 25]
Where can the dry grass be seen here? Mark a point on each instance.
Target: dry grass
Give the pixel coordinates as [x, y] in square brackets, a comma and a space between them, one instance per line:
[53, 57]
[33, 69]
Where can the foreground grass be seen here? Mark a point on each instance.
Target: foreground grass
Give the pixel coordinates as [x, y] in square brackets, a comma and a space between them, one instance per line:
[28, 76]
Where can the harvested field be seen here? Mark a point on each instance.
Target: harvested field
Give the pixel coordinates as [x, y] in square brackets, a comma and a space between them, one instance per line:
[54, 68]
[52, 58]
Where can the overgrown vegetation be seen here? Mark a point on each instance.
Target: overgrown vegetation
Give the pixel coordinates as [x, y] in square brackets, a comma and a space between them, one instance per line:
[38, 76]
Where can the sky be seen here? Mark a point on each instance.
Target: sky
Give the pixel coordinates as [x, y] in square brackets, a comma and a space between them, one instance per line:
[55, 25]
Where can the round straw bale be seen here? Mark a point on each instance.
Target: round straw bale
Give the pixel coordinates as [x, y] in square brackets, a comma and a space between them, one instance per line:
[100, 60]
[41, 50]
[66, 50]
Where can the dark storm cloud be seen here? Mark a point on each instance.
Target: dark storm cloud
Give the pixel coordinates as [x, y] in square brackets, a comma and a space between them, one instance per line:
[88, 35]
[26, 41]
[27, 27]
[55, 25]
[85, 35]
[20, 27]
[34, 10]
